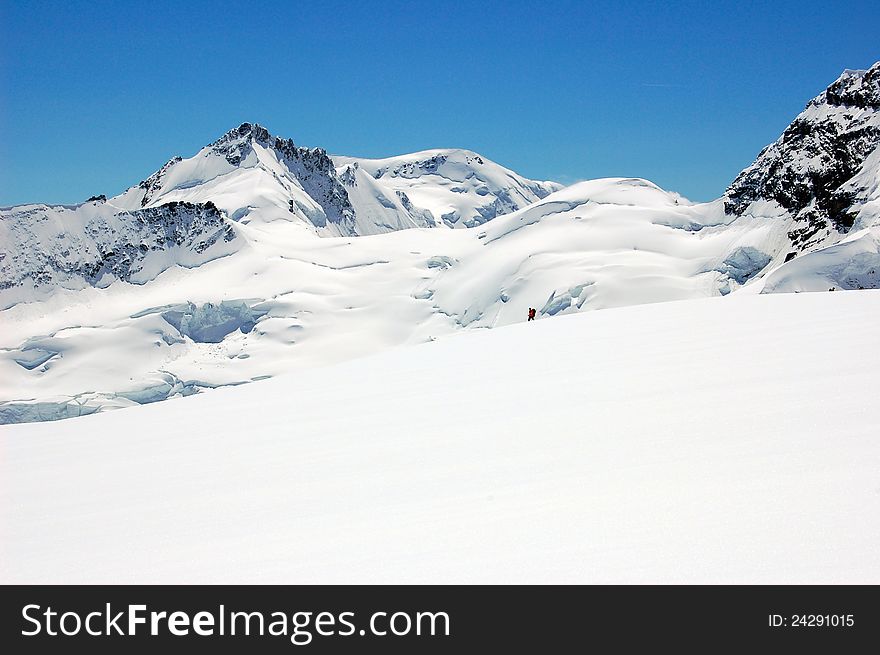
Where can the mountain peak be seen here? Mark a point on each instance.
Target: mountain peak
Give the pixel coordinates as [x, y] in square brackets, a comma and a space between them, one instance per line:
[808, 171]
[244, 132]
[854, 88]
[236, 143]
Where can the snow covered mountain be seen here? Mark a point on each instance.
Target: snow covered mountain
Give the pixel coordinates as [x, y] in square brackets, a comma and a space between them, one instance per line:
[251, 175]
[821, 179]
[95, 243]
[457, 188]
[685, 442]
[257, 257]
[822, 173]
[248, 175]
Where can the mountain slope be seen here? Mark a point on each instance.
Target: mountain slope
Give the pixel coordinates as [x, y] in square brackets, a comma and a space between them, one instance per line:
[223, 268]
[822, 179]
[96, 244]
[252, 175]
[820, 172]
[247, 176]
[457, 188]
[645, 444]
[287, 300]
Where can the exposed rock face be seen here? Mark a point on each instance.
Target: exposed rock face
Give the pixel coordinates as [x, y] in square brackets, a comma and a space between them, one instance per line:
[48, 245]
[806, 170]
[856, 89]
[153, 183]
[312, 167]
[236, 143]
[412, 169]
[316, 173]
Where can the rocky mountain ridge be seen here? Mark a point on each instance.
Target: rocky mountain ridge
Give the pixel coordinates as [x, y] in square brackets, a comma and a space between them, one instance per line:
[805, 173]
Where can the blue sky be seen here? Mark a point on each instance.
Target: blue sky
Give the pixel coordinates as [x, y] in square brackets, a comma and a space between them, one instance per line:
[98, 95]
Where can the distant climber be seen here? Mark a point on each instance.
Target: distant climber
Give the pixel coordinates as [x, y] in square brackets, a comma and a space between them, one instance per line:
[532, 312]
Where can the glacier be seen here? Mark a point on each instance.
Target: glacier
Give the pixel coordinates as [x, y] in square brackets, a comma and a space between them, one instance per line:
[722, 440]
[265, 257]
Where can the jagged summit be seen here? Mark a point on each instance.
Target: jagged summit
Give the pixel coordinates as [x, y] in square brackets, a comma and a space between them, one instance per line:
[251, 174]
[817, 173]
[253, 131]
[235, 144]
[236, 138]
[256, 133]
[854, 88]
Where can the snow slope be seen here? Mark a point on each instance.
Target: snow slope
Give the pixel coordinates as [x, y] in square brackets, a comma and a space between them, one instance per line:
[457, 188]
[257, 256]
[286, 300]
[648, 444]
[254, 176]
[853, 263]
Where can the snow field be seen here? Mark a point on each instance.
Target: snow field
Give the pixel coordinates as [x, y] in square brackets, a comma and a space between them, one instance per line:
[720, 440]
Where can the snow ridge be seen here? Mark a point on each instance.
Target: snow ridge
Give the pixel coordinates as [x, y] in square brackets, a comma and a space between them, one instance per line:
[133, 246]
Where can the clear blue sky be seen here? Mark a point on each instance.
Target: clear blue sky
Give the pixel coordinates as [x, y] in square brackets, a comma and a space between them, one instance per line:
[98, 95]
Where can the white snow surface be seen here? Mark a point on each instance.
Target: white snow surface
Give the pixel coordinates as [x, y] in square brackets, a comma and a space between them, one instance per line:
[647, 444]
[277, 297]
[283, 298]
[257, 257]
[444, 187]
[452, 187]
[853, 263]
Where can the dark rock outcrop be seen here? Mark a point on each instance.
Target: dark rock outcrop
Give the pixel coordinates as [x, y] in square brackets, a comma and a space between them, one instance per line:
[806, 170]
[115, 244]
